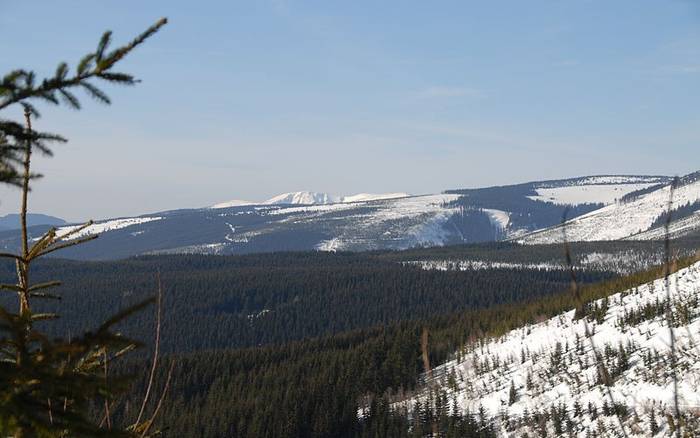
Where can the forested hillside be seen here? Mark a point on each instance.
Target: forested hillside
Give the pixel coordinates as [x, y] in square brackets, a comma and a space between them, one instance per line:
[317, 387]
[294, 344]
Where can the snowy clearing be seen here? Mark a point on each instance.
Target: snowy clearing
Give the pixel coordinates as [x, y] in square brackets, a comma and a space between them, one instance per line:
[587, 194]
[102, 227]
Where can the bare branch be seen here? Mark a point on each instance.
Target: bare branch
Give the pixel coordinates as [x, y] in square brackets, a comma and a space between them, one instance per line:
[159, 306]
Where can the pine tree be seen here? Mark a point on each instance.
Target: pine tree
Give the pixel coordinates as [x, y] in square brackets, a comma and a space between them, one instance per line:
[47, 386]
[512, 393]
[653, 424]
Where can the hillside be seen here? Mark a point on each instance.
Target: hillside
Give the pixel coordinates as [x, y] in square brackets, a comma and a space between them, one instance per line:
[301, 221]
[546, 377]
[12, 221]
[639, 216]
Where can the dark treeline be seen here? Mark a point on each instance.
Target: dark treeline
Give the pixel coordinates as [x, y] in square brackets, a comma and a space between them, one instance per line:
[524, 212]
[682, 212]
[215, 302]
[516, 253]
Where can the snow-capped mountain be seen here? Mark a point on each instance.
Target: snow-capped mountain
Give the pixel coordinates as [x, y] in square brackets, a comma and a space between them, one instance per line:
[547, 379]
[320, 221]
[302, 198]
[312, 198]
[637, 216]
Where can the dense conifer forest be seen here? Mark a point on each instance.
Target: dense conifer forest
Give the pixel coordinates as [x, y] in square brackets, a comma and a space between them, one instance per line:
[299, 344]
[243, 301]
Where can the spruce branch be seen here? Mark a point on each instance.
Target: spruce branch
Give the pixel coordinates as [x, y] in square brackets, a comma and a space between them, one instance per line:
[35, 370]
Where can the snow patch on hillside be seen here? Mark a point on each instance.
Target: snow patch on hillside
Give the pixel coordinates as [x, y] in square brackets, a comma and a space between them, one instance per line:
[102, 227]
[616, 179]
[499, 218]
[587, 194]
[366, 197]
[480, 265]
[621, 220]
[552, 365]
[304, 197]
[401, 223]
[677, 228]
[232, 203]
[322, 208]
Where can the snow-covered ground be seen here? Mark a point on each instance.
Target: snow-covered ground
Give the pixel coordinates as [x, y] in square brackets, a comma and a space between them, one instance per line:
[306, 198]
[301, 209]
[101, 227]
[622, 220]
[553, 365]
[479, 265]
[611, 179]
[232, 203]
[677, 228]
[402, 222]
[587, 194]
[498, 218]
[620, 262]
[364, 197]
[312, 198]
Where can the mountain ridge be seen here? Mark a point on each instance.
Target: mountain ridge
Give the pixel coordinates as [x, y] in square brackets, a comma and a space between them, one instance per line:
[364, 222]
[635, 217]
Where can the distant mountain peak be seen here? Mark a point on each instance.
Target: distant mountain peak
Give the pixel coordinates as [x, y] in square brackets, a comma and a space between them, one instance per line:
[313, 198]
[232, 203]
[12, 221]
[303, 197]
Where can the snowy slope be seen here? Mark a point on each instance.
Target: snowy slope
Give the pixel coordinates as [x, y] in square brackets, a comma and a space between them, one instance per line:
[232, 203]
[363, 197]
[398, 224]
[305, 197]
[312, 198]
[71, 231]
[603, 189]
[300, 221]
[587, 194]
[499, 218]
[632, 219]
[552, 365]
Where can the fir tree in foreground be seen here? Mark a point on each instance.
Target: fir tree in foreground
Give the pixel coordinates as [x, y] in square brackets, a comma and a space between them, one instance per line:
[54, 387]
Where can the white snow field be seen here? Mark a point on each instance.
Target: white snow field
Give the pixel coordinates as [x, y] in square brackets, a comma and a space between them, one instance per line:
[499, 218]
[587, 194]
[232, 203]
[630, 220]
[363, 197]
[312, 198]
[403, 222]
[552, 365]
[101, 227]
[305, 198]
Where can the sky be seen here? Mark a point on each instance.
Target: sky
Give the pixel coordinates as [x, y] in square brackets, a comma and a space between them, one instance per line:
[249, 99]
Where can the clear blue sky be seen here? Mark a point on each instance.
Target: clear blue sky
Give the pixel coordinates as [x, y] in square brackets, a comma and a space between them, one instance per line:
[249, 99]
